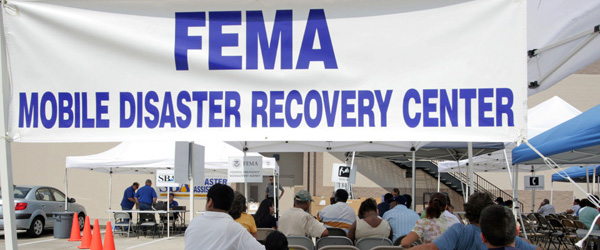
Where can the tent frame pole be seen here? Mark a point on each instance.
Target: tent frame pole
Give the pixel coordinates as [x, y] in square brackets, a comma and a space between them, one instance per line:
[414, 175]
[191, 178]
[470, 170]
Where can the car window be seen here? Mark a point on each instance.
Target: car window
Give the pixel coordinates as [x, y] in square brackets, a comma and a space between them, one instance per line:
[19, 192]
[58, 195]
[43, 194]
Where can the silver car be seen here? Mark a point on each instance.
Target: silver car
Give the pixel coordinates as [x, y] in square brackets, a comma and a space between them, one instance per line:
[35, 205]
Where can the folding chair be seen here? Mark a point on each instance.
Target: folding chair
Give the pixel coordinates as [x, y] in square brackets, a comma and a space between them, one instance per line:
[387, 248]
[571, 231]
[147, 220]
[334, 241]
[262, 233]
[335, 247]
[371, 242]
[297, 247]
[560, 233]
[301, 241]
[122, 224]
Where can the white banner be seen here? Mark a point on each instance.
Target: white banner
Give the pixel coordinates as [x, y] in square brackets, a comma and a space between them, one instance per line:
[241, 70]
[245, 169]
[343, 173]
[200, 190]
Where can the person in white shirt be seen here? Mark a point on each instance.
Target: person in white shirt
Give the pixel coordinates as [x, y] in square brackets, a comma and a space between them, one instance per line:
[574, 208]
[216, 229]
[546, 208]
[339, 214]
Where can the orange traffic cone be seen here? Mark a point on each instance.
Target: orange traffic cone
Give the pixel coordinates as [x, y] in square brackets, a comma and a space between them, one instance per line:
[75, 233]
[96, 237]
[109, 242]
[86, 240]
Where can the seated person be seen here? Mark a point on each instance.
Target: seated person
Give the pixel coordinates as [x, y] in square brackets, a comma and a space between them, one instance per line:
[276, 240]
[433, 225]
[297, 222]
[238, 213]
[369, 224]
[574, 208]
[172, 204]
[587, 213]
[264, 215]
[460, 236]
[498, 228]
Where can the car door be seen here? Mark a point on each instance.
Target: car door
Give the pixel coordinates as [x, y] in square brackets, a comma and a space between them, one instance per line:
[59, 199]
[46, 203]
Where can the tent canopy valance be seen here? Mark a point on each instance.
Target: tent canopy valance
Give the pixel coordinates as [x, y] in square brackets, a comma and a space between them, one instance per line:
[147, 157]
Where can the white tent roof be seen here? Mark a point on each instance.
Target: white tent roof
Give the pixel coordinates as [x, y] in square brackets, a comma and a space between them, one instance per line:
[542, 117]
[147, 157]
[561, 38]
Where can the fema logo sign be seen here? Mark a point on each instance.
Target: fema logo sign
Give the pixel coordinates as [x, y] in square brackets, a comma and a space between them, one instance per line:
[237, 163]
[344, 171]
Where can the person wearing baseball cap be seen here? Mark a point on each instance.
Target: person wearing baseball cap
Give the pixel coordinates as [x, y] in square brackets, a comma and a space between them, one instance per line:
[401, 219]
[297, 222]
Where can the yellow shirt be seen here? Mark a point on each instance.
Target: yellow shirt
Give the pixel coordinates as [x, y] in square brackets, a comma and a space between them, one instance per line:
[247, 221]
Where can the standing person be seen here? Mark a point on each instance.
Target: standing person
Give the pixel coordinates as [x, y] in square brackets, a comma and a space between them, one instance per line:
[340, 214]
[384, 206]
[401, 219]
[369, 224]
[216, 229]
[129, 197]
[146, 196]
[271, 193]
[546, 208]
[297, 222]
[238, 213]
[264, 215]
[433, 225]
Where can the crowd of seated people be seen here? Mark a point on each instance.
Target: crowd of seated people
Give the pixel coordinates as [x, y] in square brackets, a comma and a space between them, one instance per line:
[436, 228]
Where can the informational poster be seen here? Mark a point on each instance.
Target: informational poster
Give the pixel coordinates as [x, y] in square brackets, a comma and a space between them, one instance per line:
[245, 169]
[534, 182]
[200, 188]
[165, 178]
[343, 173]
[239, 70]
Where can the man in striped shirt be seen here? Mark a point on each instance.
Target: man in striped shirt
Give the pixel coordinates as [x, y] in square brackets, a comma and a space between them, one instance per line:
[340, 214]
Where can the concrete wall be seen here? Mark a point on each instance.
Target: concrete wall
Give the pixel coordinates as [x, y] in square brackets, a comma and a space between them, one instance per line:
[375, 177]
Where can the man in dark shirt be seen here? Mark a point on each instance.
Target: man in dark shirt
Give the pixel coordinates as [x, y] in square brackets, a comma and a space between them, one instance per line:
[128, 197]
[384, 206]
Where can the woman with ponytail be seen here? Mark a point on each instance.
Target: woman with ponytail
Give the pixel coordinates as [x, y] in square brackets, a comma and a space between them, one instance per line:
[433, 225]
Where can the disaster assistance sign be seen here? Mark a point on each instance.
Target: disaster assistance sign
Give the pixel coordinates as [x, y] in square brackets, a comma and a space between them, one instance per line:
[411, 70]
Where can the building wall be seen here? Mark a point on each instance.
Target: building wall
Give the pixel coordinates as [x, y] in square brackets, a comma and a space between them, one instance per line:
[375, 177]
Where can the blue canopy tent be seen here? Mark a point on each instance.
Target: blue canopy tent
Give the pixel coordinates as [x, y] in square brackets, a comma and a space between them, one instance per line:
[576, 141]
[577, 174]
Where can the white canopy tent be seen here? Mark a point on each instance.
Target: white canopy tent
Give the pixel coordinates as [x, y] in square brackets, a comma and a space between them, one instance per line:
[562, 38]
[147, 157]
